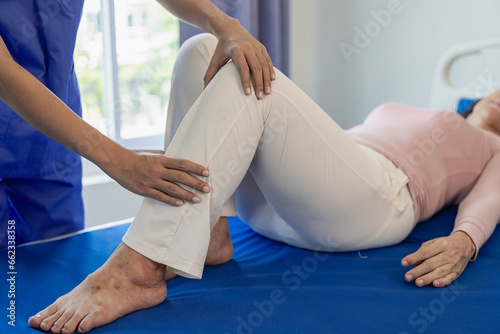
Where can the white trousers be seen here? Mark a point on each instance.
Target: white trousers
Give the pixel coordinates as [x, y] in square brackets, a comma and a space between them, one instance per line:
[310, 185]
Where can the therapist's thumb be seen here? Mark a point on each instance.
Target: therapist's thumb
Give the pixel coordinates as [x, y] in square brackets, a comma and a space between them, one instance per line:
[215, 65]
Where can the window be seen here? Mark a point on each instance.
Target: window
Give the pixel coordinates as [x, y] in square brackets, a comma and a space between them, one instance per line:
[123, 59]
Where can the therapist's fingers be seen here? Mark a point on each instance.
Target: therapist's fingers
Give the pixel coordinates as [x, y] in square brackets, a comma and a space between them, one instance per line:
[185, 166]
[260, 74]
[162, 178]
[267, 70]
[180, 164]
[219, 59]
[249, 56]
[177, 173]
[150, 151]
[255, 60]
[241, 64]
[173, 194]
[181, 178]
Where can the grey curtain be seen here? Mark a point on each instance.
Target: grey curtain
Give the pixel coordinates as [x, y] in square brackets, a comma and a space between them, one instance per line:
[266, 20]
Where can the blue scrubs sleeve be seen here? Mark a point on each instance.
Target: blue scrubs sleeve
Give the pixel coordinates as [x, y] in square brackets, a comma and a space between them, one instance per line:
[40, 34]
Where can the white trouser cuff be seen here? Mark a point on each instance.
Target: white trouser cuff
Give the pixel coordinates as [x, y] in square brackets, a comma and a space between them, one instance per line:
[175, 263]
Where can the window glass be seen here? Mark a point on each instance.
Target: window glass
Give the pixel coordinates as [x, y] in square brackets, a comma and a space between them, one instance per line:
[89, 65]
[147, 39]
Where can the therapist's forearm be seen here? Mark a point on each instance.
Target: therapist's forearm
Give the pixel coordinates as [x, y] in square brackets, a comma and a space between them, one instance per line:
[47, 113]
[200, 13]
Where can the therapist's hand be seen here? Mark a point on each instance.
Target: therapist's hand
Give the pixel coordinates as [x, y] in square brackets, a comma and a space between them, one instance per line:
[249, 56]
[151, 174]
[440, 261]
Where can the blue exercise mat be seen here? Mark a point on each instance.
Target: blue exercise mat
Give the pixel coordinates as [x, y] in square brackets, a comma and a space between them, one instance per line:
[270, 287]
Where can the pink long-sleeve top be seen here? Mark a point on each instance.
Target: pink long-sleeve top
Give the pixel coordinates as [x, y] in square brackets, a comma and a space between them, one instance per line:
[447, 161]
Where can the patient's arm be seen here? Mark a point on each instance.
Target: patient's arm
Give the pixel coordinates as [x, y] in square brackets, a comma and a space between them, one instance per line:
[248, 54]
[150, 175]
[441, 261]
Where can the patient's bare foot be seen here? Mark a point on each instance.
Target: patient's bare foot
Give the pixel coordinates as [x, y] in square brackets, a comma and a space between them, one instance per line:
[127, 282]
[220, 249]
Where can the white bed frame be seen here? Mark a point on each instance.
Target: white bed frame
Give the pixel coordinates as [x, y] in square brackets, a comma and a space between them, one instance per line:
[445, 95]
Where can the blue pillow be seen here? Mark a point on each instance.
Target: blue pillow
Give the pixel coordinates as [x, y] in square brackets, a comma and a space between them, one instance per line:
[464, 103]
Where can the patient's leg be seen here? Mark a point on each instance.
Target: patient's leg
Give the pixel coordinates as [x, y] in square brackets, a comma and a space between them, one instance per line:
[127, 282]
[187, 85]
[187, 79]
[220, 249]
[99, 299]
[298, 149]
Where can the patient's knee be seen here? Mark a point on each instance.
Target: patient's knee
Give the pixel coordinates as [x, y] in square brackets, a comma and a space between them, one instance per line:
[229, 78]
[199, 45]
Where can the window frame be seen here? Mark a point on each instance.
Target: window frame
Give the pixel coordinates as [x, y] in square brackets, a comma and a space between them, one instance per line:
[111, 107]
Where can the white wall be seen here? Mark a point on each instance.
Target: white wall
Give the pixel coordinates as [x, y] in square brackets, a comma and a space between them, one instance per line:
[397, 65]
[106, 201]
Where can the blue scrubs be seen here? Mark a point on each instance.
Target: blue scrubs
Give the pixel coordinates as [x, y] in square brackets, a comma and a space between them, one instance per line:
[40, 180]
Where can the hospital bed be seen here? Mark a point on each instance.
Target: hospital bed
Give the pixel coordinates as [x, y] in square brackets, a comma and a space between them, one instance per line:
[269, 287]
[466, 73]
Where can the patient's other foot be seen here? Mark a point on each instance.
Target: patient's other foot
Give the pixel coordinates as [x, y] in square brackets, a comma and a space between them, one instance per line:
[220, 249]
[127, 282]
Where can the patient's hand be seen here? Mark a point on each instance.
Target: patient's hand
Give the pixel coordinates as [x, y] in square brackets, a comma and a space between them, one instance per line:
[440, 261]
[149, 173]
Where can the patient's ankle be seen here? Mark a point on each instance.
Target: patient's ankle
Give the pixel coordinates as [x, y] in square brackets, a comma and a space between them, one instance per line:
[220, 249]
